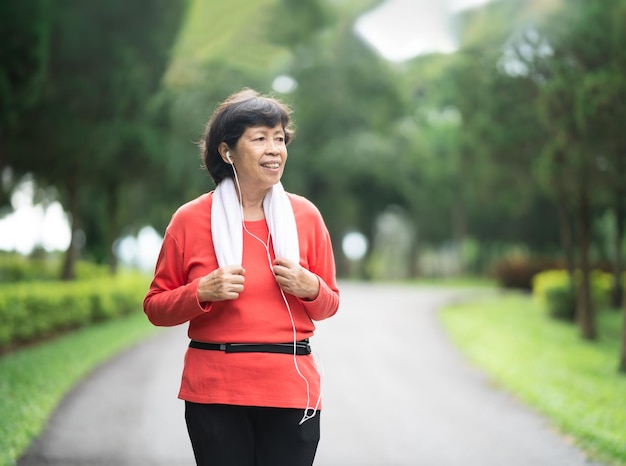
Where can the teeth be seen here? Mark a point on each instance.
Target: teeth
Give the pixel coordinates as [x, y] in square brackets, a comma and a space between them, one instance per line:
[271, 165]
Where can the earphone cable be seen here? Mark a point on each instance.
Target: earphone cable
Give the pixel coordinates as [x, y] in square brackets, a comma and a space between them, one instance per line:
[306, 416]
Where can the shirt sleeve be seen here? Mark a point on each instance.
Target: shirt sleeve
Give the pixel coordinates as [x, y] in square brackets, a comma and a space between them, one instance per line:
[171, 300]
[322, 264]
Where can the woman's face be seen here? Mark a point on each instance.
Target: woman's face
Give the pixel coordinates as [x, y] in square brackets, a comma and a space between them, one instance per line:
[259, 157]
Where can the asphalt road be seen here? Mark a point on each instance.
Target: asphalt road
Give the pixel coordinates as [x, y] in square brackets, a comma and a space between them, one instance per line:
[397, 393]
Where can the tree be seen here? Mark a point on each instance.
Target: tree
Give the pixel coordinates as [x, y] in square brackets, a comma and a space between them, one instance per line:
[481, 136]
[346, 102]
[579, 78]
[622, 361]
[104, 62]
[23, 54]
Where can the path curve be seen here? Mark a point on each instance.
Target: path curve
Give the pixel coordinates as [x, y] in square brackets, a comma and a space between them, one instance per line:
[397, 393]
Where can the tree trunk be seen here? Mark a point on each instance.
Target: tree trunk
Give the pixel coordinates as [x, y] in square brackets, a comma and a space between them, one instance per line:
[622, 362]
[414, 270]
[414, 248]
[113, 229]
[585, 314]
[71, 255]
[565, 231]
[618, 262]
[459, 232]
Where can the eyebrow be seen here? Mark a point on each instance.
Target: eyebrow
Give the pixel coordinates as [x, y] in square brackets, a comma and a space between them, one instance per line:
[266, 130]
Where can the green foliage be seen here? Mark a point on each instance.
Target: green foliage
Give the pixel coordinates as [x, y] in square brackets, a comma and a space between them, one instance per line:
[307, 19]
[576, 385]
[15, 268]
[18, 268]
[212, 33]
[553, 290]
[561, 302]
[581, 80]
[212, 58]
[31, 311]
[104, 61]
[23, 41]
[477, 143]
[345, 105]
[34, 380]
[86, 270]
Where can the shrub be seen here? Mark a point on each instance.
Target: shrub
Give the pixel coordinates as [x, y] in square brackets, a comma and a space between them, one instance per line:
[15, 268]
[552, 289]
[561, 302]
[34, 310]
[102, 307]
[89, 270]
[517, 270]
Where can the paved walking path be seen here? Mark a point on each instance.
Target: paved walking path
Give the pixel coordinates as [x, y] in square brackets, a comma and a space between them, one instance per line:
[397, 393]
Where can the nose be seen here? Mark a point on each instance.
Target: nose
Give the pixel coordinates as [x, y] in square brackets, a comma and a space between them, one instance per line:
[272, 146]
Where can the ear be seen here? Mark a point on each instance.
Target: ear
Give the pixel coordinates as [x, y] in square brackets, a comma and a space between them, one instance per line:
[223, 149]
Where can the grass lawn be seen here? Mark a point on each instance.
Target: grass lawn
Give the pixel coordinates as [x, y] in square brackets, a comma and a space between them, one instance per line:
[34, 380]
[573, 382]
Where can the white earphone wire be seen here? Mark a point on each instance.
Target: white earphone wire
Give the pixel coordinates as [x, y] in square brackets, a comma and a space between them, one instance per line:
[306, 416]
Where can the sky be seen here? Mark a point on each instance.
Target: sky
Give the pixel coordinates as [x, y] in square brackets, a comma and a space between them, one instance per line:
[402, 29]
[30, 224]
[397, 29]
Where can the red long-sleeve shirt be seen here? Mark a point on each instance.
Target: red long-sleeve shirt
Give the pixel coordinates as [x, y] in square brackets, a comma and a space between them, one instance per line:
[258, 315]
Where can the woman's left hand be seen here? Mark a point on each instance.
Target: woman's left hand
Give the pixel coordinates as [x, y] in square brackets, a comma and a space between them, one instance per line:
[295, 279]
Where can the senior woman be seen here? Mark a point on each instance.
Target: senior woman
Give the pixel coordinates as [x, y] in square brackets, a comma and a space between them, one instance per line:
[250, 267]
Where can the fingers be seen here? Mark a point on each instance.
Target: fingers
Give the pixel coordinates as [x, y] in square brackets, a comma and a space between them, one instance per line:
[282, 267]
[229, 281]
[234, 270]
[295, 279]
[286, 273]
[284, 262]
[225, 283]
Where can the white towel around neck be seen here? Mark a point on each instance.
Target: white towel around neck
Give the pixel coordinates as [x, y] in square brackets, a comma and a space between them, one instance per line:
[227, 224]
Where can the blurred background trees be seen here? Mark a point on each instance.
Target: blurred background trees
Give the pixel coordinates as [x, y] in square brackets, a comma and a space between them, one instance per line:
[79, 78]
[505, 156]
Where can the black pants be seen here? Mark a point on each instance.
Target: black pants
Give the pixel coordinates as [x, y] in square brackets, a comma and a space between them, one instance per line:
[227, 435]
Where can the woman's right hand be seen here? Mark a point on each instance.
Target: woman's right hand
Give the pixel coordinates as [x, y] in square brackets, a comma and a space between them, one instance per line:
[222, 284]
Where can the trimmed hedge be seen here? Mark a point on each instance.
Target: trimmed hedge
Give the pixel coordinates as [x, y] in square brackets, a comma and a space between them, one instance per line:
[31, 311]
[16, 268]
[553, 290]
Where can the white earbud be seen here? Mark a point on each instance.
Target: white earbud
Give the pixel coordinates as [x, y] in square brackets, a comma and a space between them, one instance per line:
[228, 157]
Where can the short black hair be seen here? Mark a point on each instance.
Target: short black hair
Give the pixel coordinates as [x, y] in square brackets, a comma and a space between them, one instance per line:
[240, 111]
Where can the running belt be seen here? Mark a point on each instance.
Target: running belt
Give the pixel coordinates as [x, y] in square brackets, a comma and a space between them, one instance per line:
[302, 347]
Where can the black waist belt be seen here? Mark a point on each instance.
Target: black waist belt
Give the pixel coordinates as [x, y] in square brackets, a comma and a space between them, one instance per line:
[302, 347]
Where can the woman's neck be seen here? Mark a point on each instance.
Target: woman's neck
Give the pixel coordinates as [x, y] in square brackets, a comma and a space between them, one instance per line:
[250, 214]
[253, 206]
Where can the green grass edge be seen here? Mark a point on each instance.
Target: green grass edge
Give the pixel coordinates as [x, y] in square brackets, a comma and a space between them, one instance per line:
[34, 380]
[544, 363]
